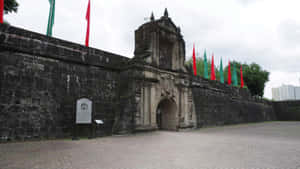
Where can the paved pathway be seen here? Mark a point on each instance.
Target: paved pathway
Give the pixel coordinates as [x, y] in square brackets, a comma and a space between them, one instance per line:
[274, 145]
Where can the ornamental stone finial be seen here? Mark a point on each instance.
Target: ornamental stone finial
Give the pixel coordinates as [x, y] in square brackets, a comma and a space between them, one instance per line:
[152, 17]
[166, 14]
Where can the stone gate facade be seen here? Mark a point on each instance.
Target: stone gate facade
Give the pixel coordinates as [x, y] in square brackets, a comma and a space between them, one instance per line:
[162, 95]
[41, 79]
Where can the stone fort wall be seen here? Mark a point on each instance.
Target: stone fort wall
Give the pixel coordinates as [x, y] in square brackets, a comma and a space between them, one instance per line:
[287, 110]
[218, 104]
[41, 78]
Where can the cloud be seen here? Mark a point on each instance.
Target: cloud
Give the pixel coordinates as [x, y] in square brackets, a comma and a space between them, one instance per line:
[246, 2]
[289, 33]
[261, 31]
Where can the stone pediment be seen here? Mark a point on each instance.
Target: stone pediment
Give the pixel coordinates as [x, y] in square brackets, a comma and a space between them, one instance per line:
[160, 43]
[167, 23]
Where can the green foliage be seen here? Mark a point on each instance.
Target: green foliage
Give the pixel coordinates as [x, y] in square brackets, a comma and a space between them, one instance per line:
[237, 67]
[200, 67]
[10, 6]
[254, 77]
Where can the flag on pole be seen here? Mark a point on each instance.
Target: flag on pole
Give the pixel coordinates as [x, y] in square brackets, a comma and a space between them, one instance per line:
[194, 61]
[88, 16]
[234, 76]
[1, 10]
[212, 69]
[229, 74]
[221, 72]
[51, 17]
[242, 79]
[205, 66]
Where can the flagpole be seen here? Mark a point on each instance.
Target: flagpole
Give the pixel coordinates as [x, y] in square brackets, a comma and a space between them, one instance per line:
[49, 21]
[88, 15]
[194, 61]
[51, 17]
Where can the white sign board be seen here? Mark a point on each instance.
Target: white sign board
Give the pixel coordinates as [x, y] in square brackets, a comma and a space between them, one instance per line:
[84, 111]
[99, 122]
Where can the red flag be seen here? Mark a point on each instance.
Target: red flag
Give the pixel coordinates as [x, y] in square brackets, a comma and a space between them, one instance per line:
[242, 79]
[1, 10]
[212, 69]
[88, 24]
[229, 74]
[194, 61]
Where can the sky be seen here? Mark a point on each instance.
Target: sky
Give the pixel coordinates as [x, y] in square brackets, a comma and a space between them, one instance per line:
[266, 32]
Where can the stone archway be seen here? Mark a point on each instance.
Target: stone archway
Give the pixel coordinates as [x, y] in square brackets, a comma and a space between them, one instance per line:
[166, 115]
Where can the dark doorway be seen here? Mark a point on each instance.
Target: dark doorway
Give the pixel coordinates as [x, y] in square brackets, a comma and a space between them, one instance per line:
[166, 115]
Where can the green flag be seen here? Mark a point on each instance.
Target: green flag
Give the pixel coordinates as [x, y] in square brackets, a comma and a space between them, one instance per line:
[234, 76]
[205, 66]
[51, 17]
[221, 72]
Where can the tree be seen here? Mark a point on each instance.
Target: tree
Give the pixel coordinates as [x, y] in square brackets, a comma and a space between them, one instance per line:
[10, 6]
[254, 77]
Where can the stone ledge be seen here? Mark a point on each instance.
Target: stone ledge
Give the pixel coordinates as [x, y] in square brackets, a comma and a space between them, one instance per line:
[145, 128]
[24, 41]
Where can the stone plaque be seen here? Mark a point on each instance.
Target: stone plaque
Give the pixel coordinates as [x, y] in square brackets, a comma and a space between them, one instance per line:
[84, 111]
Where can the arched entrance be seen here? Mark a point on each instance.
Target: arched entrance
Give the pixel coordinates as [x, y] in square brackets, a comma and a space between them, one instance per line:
[166, 117]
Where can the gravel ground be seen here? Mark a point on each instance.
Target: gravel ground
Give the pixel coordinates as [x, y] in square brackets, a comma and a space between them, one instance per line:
[272, 145]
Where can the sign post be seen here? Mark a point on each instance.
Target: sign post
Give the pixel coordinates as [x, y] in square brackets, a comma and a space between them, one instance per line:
[84, 111]
[83, 114]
